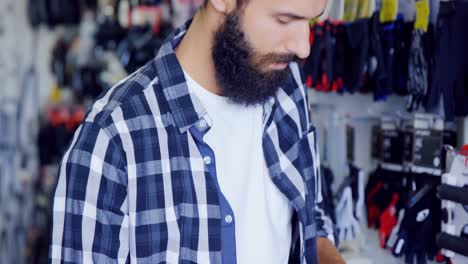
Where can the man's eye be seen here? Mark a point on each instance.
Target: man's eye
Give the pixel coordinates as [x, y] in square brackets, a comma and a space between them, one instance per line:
[282, 21]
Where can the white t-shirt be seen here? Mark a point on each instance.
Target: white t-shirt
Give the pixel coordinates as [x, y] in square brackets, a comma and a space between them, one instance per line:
[262, 213]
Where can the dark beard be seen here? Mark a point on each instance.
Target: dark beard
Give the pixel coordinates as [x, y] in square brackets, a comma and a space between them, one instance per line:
[238, 67]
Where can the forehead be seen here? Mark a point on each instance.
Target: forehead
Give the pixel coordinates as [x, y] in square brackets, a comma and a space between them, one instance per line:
[303, 8]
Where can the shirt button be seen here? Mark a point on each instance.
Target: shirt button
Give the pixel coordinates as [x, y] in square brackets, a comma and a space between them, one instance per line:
[207, 160]
[228, 219]
[202, 124]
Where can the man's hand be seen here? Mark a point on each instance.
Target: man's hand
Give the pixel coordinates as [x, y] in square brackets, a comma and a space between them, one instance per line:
[327, 252]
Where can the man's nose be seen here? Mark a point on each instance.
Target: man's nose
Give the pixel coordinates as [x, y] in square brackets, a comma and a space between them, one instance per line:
[299, 42]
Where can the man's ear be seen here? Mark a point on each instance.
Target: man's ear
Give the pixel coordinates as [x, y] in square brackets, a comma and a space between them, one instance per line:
[223, 6]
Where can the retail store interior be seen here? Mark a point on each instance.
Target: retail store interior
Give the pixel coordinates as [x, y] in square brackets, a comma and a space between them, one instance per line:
[387, 83]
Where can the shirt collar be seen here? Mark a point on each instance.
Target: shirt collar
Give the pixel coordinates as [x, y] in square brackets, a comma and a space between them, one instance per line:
[185, 107]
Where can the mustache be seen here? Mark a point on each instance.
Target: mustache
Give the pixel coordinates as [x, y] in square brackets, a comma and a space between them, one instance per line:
[277, 58]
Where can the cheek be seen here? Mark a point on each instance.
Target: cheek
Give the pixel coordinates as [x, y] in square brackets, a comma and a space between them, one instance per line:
[264, 34]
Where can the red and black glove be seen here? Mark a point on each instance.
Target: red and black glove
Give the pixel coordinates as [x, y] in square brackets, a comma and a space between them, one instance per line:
[388, 220]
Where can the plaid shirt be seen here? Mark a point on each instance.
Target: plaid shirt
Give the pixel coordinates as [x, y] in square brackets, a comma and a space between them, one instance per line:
[138, 183]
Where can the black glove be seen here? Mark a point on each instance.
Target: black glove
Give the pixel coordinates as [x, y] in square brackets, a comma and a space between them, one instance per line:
[416, 235]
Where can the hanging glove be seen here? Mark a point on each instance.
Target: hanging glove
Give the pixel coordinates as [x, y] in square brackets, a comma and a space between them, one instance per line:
[417, 72]
[326, 182]
[347, 224]
[416, 230]
[312, 63]
[373, 211]
[357, 189]
[327, 194]
[391, 241]
[388, 221]
[379, 191]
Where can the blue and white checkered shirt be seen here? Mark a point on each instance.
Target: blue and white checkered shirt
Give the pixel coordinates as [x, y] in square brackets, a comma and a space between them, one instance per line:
[138, 183]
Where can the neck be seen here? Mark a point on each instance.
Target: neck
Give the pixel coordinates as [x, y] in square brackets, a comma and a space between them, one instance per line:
[194, 51]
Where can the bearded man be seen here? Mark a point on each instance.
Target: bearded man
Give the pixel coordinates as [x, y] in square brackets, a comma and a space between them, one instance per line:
[207, 154]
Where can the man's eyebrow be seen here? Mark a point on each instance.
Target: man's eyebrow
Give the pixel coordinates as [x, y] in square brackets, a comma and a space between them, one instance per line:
[296, 16]
[321, 13]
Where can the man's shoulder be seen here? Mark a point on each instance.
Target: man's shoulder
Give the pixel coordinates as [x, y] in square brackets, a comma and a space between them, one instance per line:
[129, 93]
